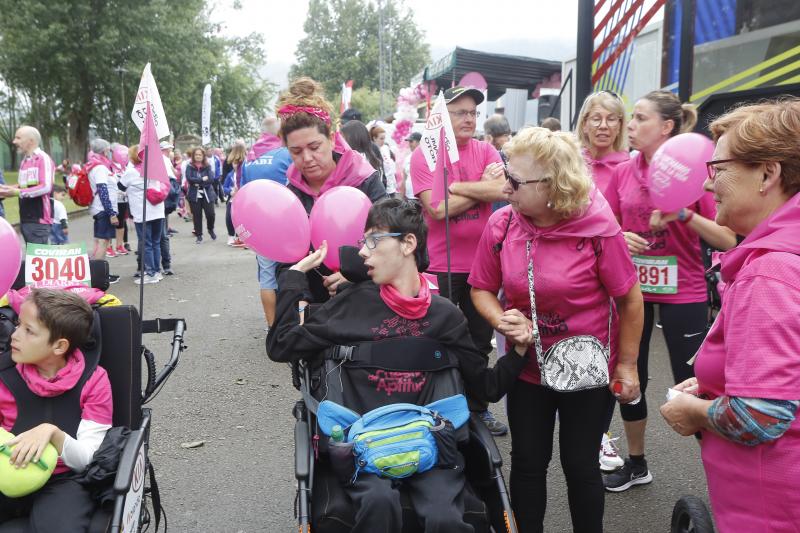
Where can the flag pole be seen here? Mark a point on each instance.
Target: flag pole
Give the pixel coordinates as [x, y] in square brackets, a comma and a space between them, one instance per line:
[447, 233]
[143, 235]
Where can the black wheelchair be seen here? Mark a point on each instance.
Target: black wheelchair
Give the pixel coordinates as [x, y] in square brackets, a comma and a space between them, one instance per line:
[116, 341]
[322, 505]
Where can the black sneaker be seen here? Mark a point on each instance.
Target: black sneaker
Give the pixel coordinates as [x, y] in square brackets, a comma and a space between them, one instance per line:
[212, 235]
[112, 278]
[127, 246]
[496, 428]
[199, 240]
[627, 476]
[168, 272]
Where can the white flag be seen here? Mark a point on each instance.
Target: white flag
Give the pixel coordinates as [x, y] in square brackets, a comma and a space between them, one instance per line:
[206, 119]
[439, 118]
[148, 92]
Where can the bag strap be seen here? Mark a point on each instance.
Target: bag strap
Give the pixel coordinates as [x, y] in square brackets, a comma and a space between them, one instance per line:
[537, 339]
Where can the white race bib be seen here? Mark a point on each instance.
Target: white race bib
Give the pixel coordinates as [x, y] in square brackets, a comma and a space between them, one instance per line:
[57, 266]
[657, 274]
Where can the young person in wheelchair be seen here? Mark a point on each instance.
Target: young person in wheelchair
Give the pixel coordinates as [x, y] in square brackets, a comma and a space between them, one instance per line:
[52, 382]
[393, 316]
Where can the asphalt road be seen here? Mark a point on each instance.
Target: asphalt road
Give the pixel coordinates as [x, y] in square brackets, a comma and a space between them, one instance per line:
[228, 394]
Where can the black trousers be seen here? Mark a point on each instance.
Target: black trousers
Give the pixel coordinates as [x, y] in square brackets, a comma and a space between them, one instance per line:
[684, 327]
[437, 496]
[198, 207]
[581, 416]
[479, 329]
[229, 220]
[62, 504]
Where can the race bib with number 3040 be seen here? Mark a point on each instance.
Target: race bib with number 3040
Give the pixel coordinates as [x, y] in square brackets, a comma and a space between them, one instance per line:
[57, 266]
[657, 274]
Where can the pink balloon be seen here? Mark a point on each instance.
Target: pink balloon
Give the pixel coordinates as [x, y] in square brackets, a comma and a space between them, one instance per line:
[270, 219]
[10, 256]
[338, 216]
[678, 170]
[120, 155]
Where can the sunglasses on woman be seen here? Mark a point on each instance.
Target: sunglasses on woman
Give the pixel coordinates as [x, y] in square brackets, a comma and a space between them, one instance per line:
[515, 183]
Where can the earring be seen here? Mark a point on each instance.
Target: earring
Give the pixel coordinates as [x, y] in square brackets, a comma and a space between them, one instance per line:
[761, 189]
[549, 204]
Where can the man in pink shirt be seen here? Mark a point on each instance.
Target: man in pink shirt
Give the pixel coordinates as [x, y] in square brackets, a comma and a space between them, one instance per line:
[477, 181]
[35, 187]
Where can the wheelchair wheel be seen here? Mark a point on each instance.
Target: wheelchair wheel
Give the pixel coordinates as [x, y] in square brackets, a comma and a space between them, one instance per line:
[690, 515]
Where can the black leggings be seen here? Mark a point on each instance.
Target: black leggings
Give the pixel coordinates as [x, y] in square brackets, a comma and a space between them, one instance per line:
[684, 328]
[229, 220]
[202, 204]
[581, 415]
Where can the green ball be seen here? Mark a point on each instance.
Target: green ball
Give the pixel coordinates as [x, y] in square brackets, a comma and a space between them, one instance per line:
[19, 482]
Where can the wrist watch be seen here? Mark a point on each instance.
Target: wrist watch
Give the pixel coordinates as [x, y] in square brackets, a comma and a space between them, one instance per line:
[685, 215]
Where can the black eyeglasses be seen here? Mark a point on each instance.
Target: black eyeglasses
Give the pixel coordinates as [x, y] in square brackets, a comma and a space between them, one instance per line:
[711, 167]
[515, 183]
[372, 240]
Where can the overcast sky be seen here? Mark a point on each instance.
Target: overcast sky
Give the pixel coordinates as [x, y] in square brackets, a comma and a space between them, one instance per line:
[544, 29]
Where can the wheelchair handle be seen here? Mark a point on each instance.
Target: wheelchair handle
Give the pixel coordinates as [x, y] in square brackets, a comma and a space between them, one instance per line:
[179, 328]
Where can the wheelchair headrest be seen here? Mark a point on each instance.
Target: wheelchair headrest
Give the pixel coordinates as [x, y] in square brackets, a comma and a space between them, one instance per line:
[98, 268]
[352, 265]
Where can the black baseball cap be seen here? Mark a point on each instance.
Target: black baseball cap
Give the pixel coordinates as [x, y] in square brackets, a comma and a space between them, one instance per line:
[450, 95]
[416, 136]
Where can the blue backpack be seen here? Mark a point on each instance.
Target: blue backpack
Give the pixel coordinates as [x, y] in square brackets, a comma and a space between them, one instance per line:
[395, 440]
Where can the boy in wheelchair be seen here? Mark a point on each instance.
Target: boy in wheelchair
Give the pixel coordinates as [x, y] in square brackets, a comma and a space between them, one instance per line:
[392, 313]
[52, 381]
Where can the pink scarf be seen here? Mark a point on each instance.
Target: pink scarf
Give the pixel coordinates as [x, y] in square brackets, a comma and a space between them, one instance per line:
[264, 144]
[97, 160]
[412, 308]
[64, 380]
[352, 169]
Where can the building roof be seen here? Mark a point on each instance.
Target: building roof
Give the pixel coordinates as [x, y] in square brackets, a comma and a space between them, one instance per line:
[501, 71]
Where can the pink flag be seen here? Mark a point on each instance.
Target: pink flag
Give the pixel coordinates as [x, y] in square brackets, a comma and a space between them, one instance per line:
[439, 191]
[155, 169]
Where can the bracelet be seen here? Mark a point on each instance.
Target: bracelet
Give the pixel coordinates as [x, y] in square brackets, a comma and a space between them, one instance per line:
[685, 215]
[301, 309]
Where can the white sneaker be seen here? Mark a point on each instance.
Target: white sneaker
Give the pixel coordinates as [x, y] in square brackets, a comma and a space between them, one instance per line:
[231, 240]
[158, 277]
[148, 279]
[609, 455]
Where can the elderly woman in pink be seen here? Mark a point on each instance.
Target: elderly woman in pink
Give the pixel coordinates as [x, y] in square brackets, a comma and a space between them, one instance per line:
[601, 130]
[745, 396]
[560, 256]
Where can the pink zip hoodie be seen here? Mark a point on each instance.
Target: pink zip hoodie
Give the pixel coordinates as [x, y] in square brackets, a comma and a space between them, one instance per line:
[578, 264]
[603, 168]
[752, 351]
[352, 169]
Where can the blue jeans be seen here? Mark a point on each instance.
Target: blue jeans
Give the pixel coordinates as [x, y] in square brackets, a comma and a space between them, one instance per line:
[57, 234]
[152, 244]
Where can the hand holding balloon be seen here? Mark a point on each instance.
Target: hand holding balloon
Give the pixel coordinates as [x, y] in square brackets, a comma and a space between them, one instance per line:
[313, 259]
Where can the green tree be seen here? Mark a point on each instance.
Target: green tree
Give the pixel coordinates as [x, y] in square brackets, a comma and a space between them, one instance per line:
[341, 43]
[368, 101]
[13, 112]
[64, 57]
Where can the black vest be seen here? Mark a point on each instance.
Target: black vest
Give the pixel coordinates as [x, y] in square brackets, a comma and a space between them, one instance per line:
[63, 411]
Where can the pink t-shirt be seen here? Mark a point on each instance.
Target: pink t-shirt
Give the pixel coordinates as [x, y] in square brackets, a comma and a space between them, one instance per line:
[96, 405]
[465, 228]
[630, 200]
[603, 168]
[572, 283]
[752, 351]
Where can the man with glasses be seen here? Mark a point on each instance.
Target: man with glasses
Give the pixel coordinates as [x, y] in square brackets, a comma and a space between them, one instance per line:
[477, 181]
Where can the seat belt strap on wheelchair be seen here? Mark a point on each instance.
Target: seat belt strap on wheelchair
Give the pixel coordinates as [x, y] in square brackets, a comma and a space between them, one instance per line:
[395, 354]
[312, 404]
[154, 494]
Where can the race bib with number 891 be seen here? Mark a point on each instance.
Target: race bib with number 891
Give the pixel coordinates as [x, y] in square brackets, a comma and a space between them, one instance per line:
[657, 274]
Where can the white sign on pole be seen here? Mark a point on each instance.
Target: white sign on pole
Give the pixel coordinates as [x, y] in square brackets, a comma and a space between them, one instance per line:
[148, 92]
[206, 119]
[439, 118]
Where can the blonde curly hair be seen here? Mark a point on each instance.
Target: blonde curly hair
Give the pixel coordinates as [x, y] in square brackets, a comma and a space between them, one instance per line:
[559, 155]
[305, 92]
